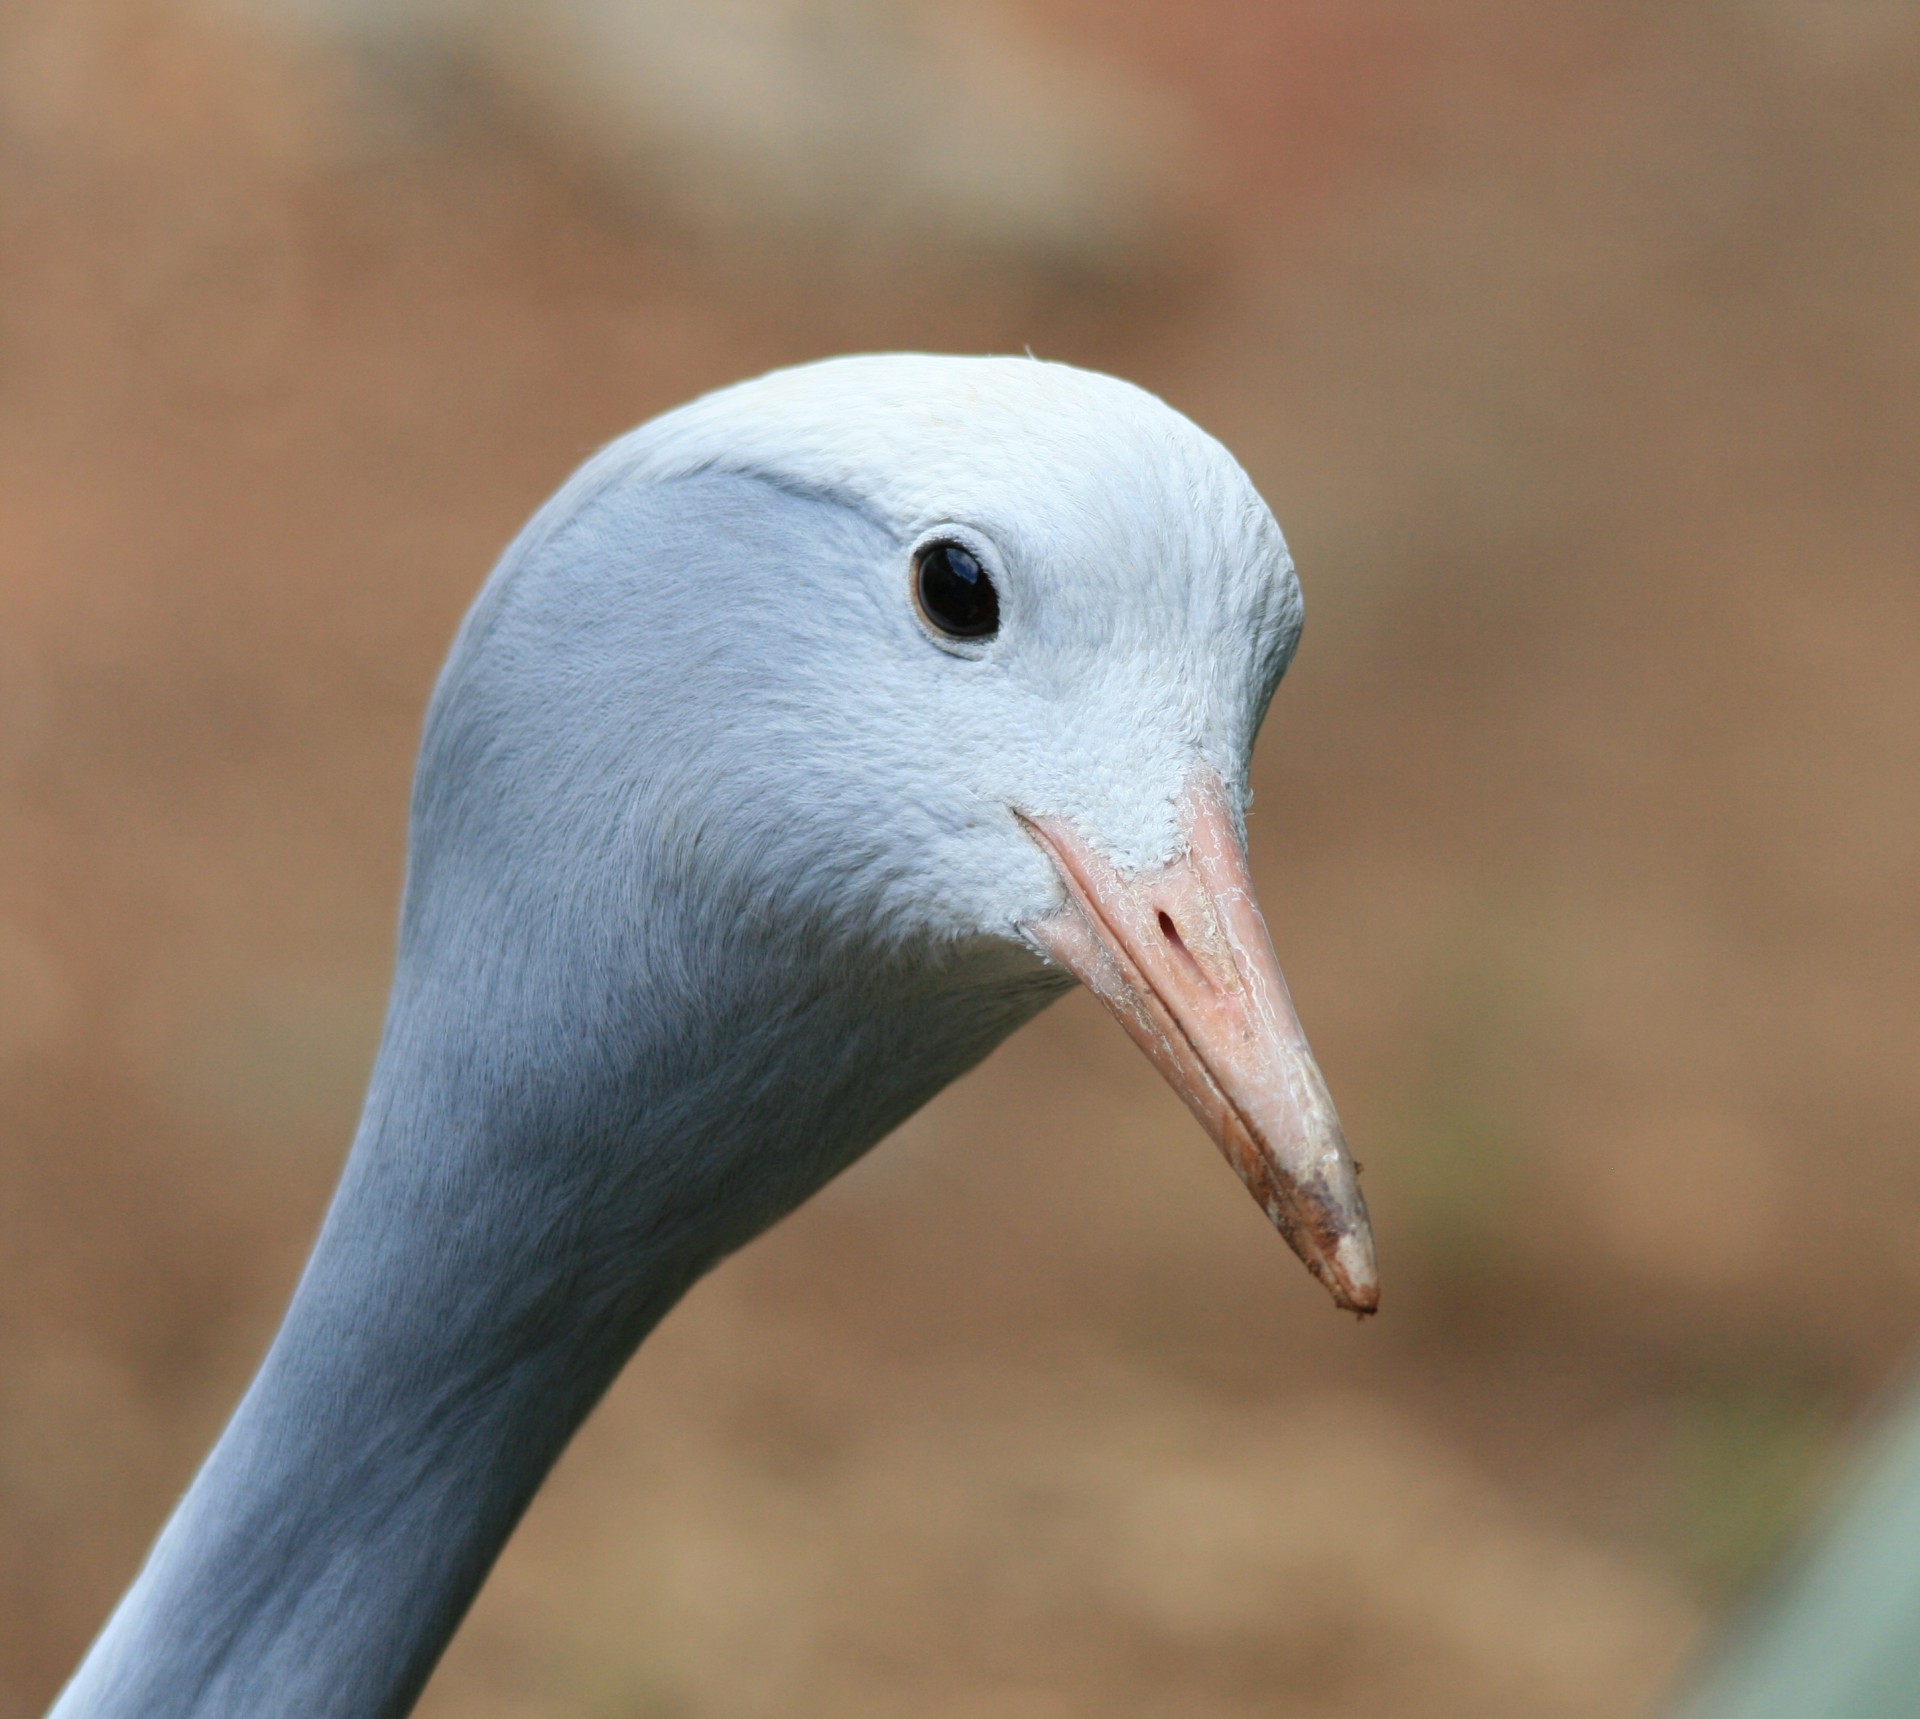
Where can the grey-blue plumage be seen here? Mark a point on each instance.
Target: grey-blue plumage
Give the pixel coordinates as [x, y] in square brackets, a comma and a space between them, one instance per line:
[722, 861]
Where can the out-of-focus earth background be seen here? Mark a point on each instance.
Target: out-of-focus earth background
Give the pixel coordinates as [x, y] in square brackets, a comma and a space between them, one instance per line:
[1577, 349]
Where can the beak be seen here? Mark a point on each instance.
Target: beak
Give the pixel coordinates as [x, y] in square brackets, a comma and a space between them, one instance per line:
[1181, 957]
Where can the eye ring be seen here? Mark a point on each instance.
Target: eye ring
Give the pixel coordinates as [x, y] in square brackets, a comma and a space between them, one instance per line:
[954, 592]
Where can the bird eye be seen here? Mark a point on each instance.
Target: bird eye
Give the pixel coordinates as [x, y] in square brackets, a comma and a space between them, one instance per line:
[955, 593]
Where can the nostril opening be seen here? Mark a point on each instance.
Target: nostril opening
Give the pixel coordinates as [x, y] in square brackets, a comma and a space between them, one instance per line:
[1178, 944]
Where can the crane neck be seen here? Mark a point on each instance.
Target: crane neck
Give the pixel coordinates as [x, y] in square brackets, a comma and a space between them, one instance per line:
[451, 1330]
[539, 1175]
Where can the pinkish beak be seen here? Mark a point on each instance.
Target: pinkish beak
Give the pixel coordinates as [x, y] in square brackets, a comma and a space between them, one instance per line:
[1181, 957]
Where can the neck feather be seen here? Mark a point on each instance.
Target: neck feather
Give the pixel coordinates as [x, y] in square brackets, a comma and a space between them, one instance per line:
[511, 1223]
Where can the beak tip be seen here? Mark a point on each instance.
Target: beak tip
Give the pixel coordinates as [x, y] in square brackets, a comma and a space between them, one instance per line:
[1349, 1273]
[1341, 1258]
[1324, 1219]
[1361, 1299]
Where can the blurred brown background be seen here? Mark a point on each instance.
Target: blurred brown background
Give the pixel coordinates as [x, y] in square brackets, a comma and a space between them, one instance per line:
[1576, 349]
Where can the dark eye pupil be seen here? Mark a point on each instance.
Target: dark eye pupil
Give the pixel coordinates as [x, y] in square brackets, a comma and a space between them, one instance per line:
[955, 593]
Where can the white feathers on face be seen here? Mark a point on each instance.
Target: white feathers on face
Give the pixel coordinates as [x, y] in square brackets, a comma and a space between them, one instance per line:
[1146, 608]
